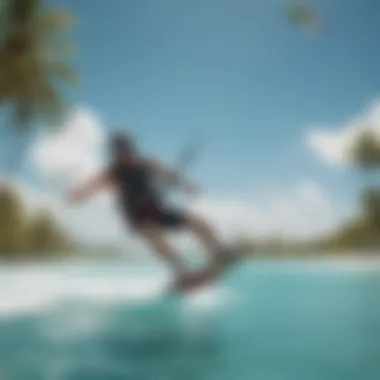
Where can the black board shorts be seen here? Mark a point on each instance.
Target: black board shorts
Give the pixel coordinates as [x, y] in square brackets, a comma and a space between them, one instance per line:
[164, 217]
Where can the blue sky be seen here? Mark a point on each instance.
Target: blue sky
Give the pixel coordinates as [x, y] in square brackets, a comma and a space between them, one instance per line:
[234, 72]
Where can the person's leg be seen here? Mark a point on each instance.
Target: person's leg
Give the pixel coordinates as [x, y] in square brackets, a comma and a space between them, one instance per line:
[177, 219]
[155, 238]
[205, 234]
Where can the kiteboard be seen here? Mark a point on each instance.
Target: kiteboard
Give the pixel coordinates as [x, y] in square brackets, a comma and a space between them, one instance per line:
[209, 274]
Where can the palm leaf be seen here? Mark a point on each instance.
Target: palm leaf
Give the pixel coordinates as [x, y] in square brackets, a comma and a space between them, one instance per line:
[51, 105]
[62, 47]
[62, 72]
[50, 26]
[365, 152]
[22, 10]
[57, 19]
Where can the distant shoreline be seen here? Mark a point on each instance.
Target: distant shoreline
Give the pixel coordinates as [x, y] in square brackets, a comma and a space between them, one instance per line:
[364, 257]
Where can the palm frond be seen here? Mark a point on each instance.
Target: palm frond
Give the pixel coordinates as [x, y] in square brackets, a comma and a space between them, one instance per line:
[51, 105]
[57, 19]
[22, 113]
[365, 152]
[64, 48]
[51, 24]
[63, 72]
[22, 11]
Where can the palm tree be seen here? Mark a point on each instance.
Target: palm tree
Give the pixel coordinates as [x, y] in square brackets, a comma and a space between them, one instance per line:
[45, 235]
[365, 151]
[371, 205]
[23, 233]
[365, 156]
[13, 221]
[33, 64]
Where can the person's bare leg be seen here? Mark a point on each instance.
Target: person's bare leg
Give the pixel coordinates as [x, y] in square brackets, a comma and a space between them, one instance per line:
[157, 241]
[205, 234]
[221, 255]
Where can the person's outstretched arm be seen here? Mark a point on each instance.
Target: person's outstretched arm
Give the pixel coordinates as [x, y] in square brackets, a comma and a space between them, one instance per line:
[90, 188]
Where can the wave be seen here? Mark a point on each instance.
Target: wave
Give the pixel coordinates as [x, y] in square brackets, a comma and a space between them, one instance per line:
[36, 289]
[80, 324]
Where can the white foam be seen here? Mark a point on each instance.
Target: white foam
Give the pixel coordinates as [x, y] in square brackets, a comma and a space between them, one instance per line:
[36, 289]
[209, 297]
[31, 290]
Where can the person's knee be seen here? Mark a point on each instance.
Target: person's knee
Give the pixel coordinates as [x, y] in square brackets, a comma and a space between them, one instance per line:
[197, 223]
[148, 232]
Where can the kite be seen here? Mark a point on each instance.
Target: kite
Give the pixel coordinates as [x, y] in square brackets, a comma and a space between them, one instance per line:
[304, 17]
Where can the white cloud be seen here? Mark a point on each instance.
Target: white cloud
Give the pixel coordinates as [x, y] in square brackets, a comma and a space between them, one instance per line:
[332, 146]
[72, 153]
[63, 160]
[304, 211]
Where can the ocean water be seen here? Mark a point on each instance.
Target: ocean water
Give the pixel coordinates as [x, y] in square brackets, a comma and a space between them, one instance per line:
[262, 321]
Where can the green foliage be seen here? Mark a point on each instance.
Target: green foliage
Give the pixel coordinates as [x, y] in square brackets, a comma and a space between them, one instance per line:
[44, 236]
[371, 206]
[13, 223]
[360, 233]
[25, 235]
[365, 152]
[364, 231]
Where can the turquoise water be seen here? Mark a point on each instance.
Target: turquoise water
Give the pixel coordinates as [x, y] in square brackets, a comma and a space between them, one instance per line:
[264, 321]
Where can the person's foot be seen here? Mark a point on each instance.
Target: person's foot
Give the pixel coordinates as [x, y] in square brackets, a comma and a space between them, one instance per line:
[184, 280]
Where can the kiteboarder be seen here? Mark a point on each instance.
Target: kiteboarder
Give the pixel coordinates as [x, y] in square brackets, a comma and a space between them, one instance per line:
[133, 179]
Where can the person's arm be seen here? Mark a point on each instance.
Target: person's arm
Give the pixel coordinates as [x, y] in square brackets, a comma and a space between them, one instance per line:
[171, 176]
[90, 188]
